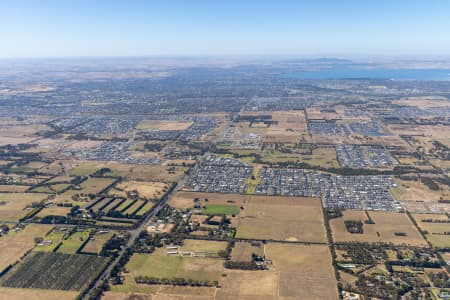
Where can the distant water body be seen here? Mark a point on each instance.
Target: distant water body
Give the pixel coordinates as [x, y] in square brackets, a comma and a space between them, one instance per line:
[395, 74]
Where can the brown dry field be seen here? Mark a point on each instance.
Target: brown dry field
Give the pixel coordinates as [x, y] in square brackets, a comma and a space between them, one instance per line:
[391, 141]
[163, 292]
[11, 140]
[14, 208]
[290, 128]
[54, 211]
[163, 125]
[437, 131]
[417, 191]
[386, 224]
[316, 113]
[156, 173]
[29, 294]
[439, 163]
[249, 285]
[184, 200]
[14, 245]
[424, 102]
[61, 179]
[282, 218]
[198, 245]
[95, 245]
[243, 251]
[146, 189]
[92, 185]
[22, 130]
[435, 231]
[7, 188]
[305, 272]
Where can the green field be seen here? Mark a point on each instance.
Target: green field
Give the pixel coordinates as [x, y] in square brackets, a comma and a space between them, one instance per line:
[160, 266]
[74, 242]
[145, 208]
[218, 209]
[55, 237]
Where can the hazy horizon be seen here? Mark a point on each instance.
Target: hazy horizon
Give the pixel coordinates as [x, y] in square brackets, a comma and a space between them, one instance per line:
[349, 29]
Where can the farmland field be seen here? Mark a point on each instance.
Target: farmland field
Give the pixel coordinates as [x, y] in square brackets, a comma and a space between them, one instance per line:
[13, 205]
[307, 268]
[384, 229]
[297, 272]
[161, 266]
[145, 208]
[163, 125]
[15, 244]
[243, 251]
[51, 240]
[27, 294]
[185, 200]
[218, 209]
[282, 218]
[206, 246]
[435, 228]
[93, 185]
[146, 189]
[417, 191]
[57, 271]
[74, 242]
[10, 188]
[96, 243]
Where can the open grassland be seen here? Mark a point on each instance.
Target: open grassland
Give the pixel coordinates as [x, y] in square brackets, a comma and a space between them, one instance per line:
[417, 191]
[436, 131]
[297, 272]
[436, 228]
[160, 292]
[15, 244]
[291, 127]
[161, 266]
[27, 294]
[10, 188]
[307, 268]
[248, 285]
[73, 242]
[13, 205]
[282, 218]
[424, 101]
[58, 271]
[383, 231]
[146, 189]
[163, 125]
[157, 173]
[322, 156]
[184, 200]
[94, 185]
[203, 246]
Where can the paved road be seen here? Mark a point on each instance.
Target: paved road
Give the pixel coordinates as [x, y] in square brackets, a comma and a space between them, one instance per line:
[133, 236]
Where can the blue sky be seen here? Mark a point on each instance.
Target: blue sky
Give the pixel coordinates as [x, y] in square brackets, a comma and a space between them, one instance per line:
[395, 28]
